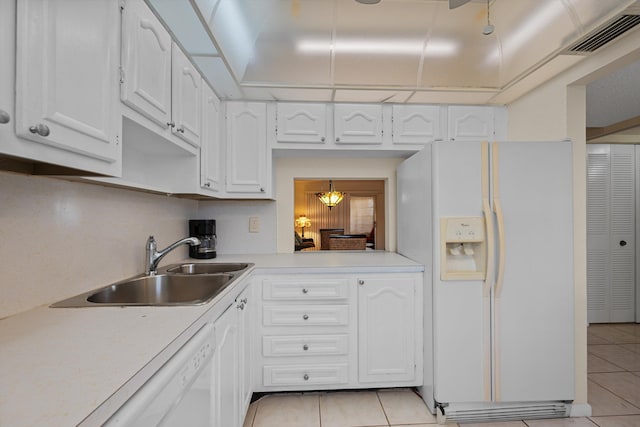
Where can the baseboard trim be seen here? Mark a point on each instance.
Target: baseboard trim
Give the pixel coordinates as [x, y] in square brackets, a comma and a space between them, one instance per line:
[580, 410]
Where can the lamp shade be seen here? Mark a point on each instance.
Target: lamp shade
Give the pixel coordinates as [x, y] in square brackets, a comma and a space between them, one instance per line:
[303, 221]
[331, 198]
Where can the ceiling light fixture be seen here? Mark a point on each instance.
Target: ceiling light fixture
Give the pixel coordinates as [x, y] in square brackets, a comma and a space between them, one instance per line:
[434, 48]
[331, 198]
[489, 28]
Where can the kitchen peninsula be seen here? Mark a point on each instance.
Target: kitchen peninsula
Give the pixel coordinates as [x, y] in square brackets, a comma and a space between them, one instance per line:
[68, 366]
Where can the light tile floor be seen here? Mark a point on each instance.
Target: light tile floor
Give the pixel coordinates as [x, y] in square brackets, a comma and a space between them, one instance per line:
[614, 395]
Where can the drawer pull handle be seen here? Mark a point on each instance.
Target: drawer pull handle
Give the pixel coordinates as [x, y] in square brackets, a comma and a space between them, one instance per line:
[305, 291]
[305, 316]
[305, 347]
[306, 377]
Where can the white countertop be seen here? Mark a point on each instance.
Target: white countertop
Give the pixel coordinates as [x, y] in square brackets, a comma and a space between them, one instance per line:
[63, 366]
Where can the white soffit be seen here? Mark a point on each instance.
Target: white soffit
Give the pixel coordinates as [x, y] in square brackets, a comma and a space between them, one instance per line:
[376, 96]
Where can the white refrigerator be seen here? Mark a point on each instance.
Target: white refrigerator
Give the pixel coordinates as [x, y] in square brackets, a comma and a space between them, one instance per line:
[493, 225]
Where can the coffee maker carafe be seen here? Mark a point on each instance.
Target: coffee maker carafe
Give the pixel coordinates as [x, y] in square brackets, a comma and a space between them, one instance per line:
[205, 230]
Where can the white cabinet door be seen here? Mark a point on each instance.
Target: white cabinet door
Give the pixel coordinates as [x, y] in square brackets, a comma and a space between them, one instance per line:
[67, 78]
[245, 326]
[358, 124]
[246, 147]
[387, 329]
[7, 45]
[146, 63]
[226, 370]
[416, 124]
[210, 148]
[470, 123]
[301, 122]
[186, 92]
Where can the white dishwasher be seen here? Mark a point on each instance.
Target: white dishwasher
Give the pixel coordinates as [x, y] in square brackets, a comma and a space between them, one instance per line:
[179, 394]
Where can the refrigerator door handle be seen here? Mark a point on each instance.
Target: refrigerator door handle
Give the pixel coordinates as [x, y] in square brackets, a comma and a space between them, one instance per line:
[488, 219]
[501, 241]
[497, 208]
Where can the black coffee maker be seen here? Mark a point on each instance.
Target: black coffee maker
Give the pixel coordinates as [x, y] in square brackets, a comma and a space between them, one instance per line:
[205, 230]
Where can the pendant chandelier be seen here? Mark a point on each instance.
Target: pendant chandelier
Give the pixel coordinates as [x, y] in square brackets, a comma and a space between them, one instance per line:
[331, 198]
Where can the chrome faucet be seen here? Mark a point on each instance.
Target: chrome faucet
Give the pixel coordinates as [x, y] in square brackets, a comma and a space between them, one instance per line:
[153, 255]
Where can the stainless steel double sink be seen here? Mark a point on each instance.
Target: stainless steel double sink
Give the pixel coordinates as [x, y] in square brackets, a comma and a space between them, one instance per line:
[176, 284]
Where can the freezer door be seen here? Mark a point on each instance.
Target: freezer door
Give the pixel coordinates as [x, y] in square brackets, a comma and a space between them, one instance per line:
[462, 364]
[533, 300]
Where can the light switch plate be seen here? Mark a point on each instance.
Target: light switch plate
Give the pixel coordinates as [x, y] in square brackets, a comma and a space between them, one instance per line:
[254, 224]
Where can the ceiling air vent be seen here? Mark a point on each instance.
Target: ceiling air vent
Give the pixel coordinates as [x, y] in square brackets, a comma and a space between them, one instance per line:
[599, 38]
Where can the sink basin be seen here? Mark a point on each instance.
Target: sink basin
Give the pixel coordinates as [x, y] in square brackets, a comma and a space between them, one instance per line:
[206, 268]
[161, 289]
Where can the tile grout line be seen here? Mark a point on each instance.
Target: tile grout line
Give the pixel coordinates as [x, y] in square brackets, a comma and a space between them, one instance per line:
[383, 411]
[611, 391]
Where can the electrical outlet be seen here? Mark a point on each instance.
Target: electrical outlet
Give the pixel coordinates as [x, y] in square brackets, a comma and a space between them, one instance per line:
[254, 224]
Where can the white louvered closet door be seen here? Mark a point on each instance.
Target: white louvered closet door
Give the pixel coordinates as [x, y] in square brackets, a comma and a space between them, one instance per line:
[611, 233]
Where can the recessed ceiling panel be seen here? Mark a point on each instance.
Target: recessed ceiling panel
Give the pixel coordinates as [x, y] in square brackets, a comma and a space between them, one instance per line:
[379, 44]
[279, 55]
[470, 64]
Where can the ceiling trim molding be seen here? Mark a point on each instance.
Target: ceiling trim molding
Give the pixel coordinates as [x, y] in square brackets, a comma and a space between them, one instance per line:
[597, 132]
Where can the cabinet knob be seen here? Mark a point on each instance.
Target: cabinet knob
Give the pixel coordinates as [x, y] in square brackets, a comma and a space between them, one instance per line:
[180, 129]
[338, 139]
[306, 377]
[262, 189]
[244, 300]
[305, 291]
[241, 306]
[305, 347]
[208, 184]
[171, 124]
[360, 282]
[305, 316]
[4, 117]
[322, 139]
[623, 243]
[40, 129]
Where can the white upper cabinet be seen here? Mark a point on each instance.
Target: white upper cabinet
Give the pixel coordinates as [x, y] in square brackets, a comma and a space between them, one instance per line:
[247, 148]
[186, 90]
[146, 64]
[160, 85]
[471, 123]
[210, 148]
[417, 124]
[67, 81]
[358, 124]
[301, 123]
[7, 70]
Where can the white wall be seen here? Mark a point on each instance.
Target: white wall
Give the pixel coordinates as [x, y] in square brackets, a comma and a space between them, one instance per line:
[61, 238]
[232, 225]
[557, 110]
[287, 169]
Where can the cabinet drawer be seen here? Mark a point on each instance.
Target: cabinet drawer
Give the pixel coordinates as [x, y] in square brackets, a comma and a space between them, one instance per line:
[299, 375]
[305, 345]
[303, 315]
[304, 289]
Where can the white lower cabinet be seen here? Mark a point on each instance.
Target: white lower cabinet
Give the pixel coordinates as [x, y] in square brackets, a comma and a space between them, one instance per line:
[231, 373]
[387, 326]
[331, 331]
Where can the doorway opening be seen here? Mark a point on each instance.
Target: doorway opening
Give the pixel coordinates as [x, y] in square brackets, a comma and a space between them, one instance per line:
[361, 213]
